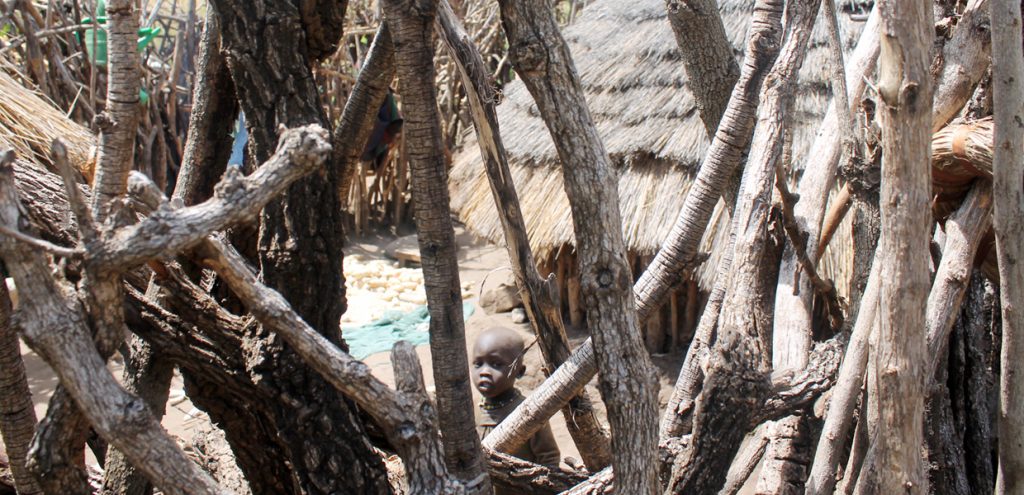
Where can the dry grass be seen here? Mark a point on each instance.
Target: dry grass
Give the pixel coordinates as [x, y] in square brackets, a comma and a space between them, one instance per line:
[29, 123]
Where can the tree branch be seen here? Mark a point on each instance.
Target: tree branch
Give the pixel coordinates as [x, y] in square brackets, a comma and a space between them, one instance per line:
[57, 331]
[235, 199]
[539, 296]
[542, 58]
[1008, 168]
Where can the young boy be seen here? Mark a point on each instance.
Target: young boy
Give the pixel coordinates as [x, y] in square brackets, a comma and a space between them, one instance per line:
[497, 362]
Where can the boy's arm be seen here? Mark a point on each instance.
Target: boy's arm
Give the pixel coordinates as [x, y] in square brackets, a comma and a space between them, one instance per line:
[545, 448]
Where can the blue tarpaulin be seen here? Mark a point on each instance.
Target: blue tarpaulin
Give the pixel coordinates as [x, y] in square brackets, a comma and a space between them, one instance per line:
[382, 334]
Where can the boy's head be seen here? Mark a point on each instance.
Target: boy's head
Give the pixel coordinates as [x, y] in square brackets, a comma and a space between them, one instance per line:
[497, 361]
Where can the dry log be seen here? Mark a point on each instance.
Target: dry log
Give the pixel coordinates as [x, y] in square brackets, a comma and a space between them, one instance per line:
[236, 198]
[511, 472]
[711, 68]
[905, 111]
[412, 26]
[360, 111]
[746, 461]
[964, 232]
[839, 416]
[117, 132]
[964, 59]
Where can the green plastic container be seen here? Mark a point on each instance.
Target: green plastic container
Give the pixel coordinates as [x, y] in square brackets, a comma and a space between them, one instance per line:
[98, 56]
[95, 40]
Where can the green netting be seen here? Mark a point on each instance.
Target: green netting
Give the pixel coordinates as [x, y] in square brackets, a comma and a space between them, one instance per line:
[382, 334]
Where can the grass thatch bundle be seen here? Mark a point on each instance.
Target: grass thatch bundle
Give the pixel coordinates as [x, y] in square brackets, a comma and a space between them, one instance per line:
[29, 123]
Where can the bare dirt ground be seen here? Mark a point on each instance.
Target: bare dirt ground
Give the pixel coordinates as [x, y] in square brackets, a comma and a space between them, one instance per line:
[477, 259]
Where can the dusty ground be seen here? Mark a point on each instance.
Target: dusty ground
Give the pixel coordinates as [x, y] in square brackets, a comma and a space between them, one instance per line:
[476, 261]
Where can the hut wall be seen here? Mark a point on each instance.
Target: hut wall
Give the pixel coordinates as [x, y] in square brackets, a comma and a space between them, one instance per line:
[668, 329]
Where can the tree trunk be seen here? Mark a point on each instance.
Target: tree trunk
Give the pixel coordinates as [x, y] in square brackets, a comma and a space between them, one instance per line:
[972, 335]
[711, 68]
[412, 24]
[117, 136]
[540, 297]
[17, 416]
[739, 361]
[1008, 168]
[300, 255]
[627, 383]
[207, 147]
[56, 330]
[905, 97]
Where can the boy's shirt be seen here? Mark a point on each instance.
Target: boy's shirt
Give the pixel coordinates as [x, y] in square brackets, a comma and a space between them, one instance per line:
[540, 449]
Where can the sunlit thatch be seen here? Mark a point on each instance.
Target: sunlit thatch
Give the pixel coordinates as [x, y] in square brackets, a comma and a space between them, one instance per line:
[635, 85]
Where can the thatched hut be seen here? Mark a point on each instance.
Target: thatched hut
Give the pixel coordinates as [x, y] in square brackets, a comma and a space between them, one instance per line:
[636, 87]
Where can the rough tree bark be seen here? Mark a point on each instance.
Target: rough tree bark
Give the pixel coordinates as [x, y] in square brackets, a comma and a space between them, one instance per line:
[978, 384]
[412, 25]
[1008, 168]
[300, 256]
[627, 383]
[61, 436]
[739, 360]
[711, 68]
[839, 417]
[117, 133]
[539, 296]
[207, 148]
[905, 96]
[56, 329]
[17, 416]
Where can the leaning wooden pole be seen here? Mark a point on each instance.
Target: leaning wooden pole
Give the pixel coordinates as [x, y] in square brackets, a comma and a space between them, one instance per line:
[540, 296]
[541, 57]
[17, 416]
[1008, 167]
[904, 99]
[412, 26]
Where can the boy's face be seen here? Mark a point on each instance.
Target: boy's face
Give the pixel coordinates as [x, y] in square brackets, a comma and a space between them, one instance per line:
[495, 365]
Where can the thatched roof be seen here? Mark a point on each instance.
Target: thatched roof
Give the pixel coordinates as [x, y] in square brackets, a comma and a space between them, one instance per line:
[29, 123]
[635, 85]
